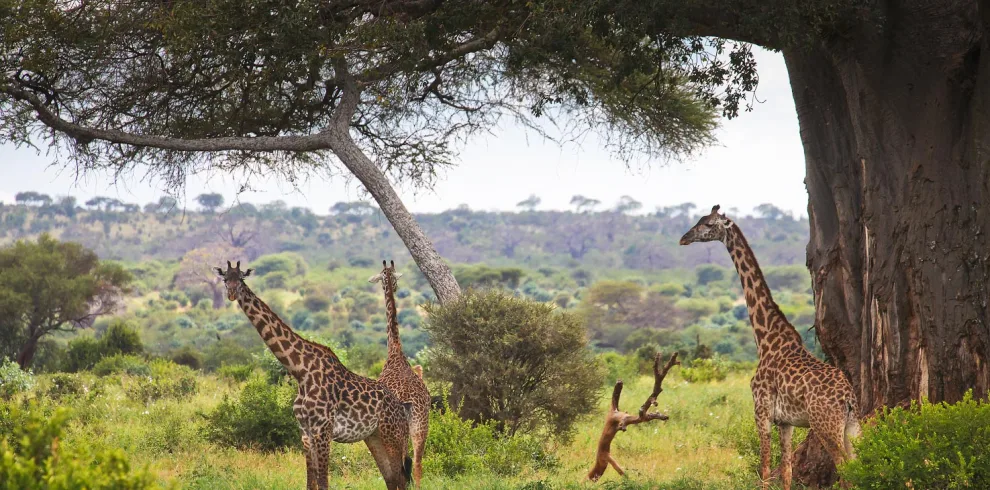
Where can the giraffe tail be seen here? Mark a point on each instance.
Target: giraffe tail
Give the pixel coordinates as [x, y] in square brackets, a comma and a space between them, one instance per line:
[407, 465]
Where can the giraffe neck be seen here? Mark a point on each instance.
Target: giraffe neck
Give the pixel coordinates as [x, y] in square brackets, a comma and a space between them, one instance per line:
[392, 319]
[281, 340]
[769, 324]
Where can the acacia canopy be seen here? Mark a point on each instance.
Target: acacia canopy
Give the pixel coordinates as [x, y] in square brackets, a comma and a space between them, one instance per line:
[260, 85]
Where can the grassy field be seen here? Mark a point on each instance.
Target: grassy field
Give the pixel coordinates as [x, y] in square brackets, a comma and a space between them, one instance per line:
[707, 443]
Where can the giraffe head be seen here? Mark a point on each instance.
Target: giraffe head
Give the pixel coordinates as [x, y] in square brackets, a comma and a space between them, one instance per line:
[387, 276]
[233, 278]
[709, 228]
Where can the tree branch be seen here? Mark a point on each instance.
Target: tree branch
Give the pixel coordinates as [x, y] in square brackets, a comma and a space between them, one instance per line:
[84, 134]
[616, 420]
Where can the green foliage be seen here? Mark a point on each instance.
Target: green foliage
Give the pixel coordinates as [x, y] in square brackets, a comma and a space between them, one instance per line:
[237, 372]
[13, 379]
[120, 338]
[83, 353]
[47, 285]
[709, 273]
[513, 361]
[929, 445]
[289, 263]
[167, 380]
[261, 418]
[794, 277]
[188, 356]
[225, 352]
[455, 447]
[480, 276]
[704, 370]
[63, 385]
[32, 458]
[122, 364]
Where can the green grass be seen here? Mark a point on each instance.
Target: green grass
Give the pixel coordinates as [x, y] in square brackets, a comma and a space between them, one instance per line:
[699, 447]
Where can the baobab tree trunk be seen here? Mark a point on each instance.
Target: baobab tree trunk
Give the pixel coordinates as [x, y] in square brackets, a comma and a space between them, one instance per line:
[896, 136]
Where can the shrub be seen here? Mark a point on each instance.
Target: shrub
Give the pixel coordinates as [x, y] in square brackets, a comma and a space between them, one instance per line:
[237, 372]
[276, 280]
[929, 445]
[188, 356]
[82, 354]
[514, 361]
[709, 273]
[223, 352]
[65, 384]
[32, 458]
[167, 380]
[13, 380]
[288, 263]
[122, 364]
[261, 418]
[455, 446]
[704, 370]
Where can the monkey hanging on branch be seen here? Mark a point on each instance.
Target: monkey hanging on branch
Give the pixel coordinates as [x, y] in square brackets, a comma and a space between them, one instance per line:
[616, 420]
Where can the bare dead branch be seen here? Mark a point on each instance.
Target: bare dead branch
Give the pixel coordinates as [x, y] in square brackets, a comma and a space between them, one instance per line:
[616, 420]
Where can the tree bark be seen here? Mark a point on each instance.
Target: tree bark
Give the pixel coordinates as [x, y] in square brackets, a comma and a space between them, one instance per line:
[437, 273]
[895, 131]
[28, 350]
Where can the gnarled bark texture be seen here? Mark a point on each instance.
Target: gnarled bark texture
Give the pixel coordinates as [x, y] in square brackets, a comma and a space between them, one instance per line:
[895, 131]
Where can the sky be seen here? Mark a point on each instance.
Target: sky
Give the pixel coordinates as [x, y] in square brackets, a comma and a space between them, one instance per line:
[758, 159]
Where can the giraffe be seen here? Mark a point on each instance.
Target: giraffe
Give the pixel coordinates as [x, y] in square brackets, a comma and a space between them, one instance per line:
[791, 388]
[400, 377]
[333, 403]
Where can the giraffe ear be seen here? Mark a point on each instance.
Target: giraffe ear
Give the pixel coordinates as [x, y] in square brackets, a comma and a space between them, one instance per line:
[715, 209]
[248, 272]
[219, 271]
[398, 275]
[375, 278]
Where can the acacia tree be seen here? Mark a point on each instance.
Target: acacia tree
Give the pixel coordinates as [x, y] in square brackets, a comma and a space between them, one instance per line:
[388, 89]
[48, 286]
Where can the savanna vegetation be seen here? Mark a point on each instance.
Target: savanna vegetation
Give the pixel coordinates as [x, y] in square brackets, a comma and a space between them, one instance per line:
[175, 388]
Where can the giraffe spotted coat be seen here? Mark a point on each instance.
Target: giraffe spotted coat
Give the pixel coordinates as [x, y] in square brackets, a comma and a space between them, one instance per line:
[791, 387]
[400, 377]
[333, 403]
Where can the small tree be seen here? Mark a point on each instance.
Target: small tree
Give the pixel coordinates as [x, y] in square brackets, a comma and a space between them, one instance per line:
[49, 286]
[530, 203]
[513, 361]
[210, 202]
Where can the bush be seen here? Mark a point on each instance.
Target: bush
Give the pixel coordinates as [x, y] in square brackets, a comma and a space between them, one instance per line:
[288, 263]
[929, 445]
[455, 446]
[224, 352]
[514, 361]
[32, 458]
[709, 273]
[82, 354]
[167, 380]
[238, 372]
[261, 418]
[122, 364]
[188, 356]
[704, 370]
[65, 384]
[13, 380]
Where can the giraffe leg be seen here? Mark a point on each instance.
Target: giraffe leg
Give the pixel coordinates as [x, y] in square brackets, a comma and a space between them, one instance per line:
[320, 451]
[831, 432]
[389, 465]
[310, 462]
[763, 429]
[786, 431]
[419, 445]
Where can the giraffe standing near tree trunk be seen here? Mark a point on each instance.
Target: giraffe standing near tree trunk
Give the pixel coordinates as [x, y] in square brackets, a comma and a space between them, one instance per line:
[333, 403]
[791, 387]
[400, 377]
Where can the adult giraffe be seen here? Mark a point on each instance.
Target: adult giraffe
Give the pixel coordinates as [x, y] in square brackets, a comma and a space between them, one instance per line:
[791, 387]
[333, 403]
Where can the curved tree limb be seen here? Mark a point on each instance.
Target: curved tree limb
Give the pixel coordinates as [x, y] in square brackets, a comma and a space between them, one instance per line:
[616, 420]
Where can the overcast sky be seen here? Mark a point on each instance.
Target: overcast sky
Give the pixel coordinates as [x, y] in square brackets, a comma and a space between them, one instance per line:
[758, 159]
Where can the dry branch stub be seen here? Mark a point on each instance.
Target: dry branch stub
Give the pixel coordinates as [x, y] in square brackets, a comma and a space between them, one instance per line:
[616, 420]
